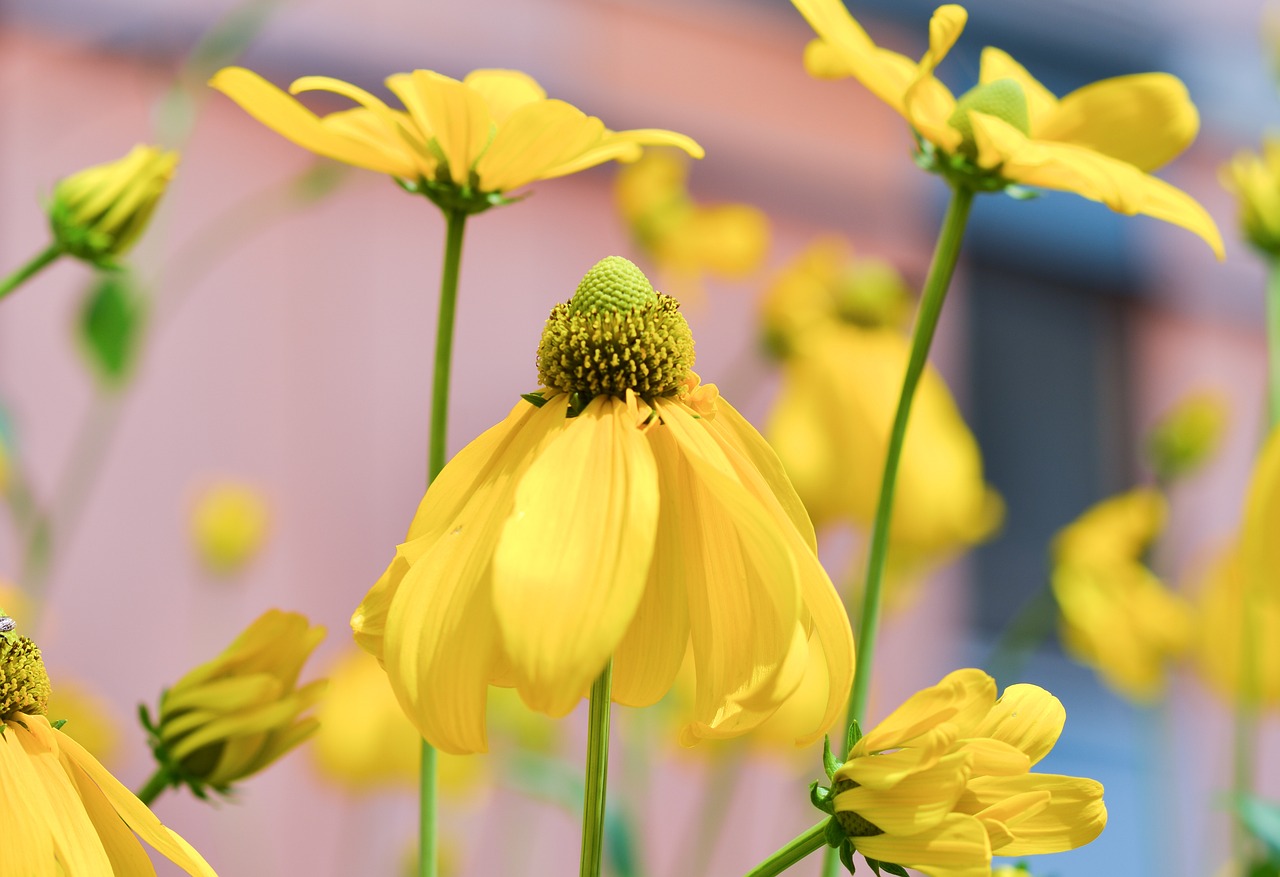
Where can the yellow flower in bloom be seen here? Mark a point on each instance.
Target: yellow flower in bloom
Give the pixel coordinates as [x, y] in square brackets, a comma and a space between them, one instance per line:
[945, 781]
[621, 512]
[1117, 617]
[1255, 181]
[1100, 141]
[61, 812]
[684, 238]
[233, 716]
[98, 213]
[461, 143]
[1188, 435]
[229, 525]
[374, 746]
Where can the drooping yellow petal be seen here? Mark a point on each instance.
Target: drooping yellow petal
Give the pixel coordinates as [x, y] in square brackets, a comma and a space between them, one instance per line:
[29, 845]
[920, 801]
[505, 91]
[1073, 818]
[886, 769]
[455, 115]
[845, 49]
[1145, 120]
[1071, 168]
[123, 849]
[1041, 103]
[77, 847]
[1259, 543]
[574, 555]
[1027, 717]
[992, 757]
[961, 698]
[955, 847]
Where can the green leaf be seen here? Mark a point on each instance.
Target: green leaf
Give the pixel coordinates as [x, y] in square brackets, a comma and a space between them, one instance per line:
[829, 762]
[1262, 818]
[110, 326]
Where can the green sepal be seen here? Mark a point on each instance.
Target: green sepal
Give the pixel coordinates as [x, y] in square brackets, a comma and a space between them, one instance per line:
[57, 726]
[834, 833]
[846, 857]
[110, 325]
[450, 197]
[174, 772]
[535, 399]
[873, 864]
[578, 403]
[1021, 193]
[887, 867]
[830, 763]
[852, 737]
[820, 797]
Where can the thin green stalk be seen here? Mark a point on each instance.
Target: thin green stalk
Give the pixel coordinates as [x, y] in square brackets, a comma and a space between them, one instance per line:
[155, 787]
[800, 847]
[945, 256]
[597, 778]
[455, 224]
[1273, 342]
[49, 255]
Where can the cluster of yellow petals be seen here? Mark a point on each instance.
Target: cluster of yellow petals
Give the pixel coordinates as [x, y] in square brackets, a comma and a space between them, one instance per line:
[635, 530]
[1100, 141]
[1254, 178]
[1117, 616]
[946, 778]
[494, 131]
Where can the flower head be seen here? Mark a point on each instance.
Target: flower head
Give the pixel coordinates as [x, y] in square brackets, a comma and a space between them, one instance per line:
[1188, 435]
[1255, 181]
[463, 144]
[1100, 141]
[1117, 617]
[233, 716]
[623, 511]
[98, 213]
[229, 525]
[61, 812]
[945, 781]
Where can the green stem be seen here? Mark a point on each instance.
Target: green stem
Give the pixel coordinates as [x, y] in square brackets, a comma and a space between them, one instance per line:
[1273, 342]
[945, 256]
[809, 842]
[160, 780]
[455, 223]
[597, 779]
[29, 270]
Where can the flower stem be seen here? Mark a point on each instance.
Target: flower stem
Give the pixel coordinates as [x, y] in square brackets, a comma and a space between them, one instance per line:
[945, 256]
[29, 270]
[597, 779]
[155, 787]
[793, 852]
[1273, 342]
[455, 223]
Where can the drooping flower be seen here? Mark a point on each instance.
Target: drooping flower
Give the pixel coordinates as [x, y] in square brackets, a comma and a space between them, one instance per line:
[229, 525]
[621, 512]
[463, 144]
[1117, 616]
[234, 716]
[945, 782]
[1254, 178]
[1101, 141]
[61, 812]
[97, 214]
[685, 239]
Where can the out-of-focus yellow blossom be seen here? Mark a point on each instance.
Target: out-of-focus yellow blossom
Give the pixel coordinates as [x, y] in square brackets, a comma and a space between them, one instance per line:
[88, 718]
[229, 524]
[61, 812]
[686, 239]
[235, 715]
[98, 213]
[1100, 141]
[1188, 435]
[375, 746]
[621, 512]
[1255, 181]
[945, 781]
[1117, 616]
[463, 144]
[6, 466]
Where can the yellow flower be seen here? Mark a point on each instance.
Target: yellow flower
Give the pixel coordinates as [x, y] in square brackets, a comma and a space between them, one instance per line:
[229, 525]
[621, 512]
[945, 781]
[1255, 181]
[61, 812]
[1188, 435]
[1100, 141]
[684, 238]
[1117, 617]
[461, 143]
[233, 716]
[98, 213]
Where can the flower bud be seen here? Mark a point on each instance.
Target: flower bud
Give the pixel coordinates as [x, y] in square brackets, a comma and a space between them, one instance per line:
[229, 525]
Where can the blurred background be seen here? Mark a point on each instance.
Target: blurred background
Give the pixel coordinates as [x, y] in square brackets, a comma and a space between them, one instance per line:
[289, 322]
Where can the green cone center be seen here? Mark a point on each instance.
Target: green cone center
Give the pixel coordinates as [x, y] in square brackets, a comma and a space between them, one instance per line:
[1002, 98]
[24, 684]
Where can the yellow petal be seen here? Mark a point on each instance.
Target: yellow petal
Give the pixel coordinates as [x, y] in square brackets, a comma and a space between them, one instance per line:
[621, 146]
[1026, 717]
[455, 115]
[1259, 547]
[885, 74]
[961, 698]
[920, 801]
[291, 120]
[1041, 103]
[573, 558]
[536, 136]
[994, 757]
[945, 27]
[1074, 816]
[28, 846]
[885, 770]
[53, 795]
[1071, 168]
[955, 847]
[123, 850]
[505, 91]
[1145, 120]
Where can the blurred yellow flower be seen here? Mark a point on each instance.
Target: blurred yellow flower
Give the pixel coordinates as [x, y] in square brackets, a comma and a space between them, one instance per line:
[88, 717]
[461, 143]
[374, 746]
[945, 781]
[61, 812]
[1100, 141]
[686, 239]
[1188, 435]
[1255, 181]
[622, 512]
[229, 524]
[98, 213]
[1117, 617]
[233, 716]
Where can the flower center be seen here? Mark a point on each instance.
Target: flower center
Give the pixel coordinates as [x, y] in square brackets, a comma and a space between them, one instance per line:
[24, 684]
[616, 334]
[853, 824]
[1002, 98]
